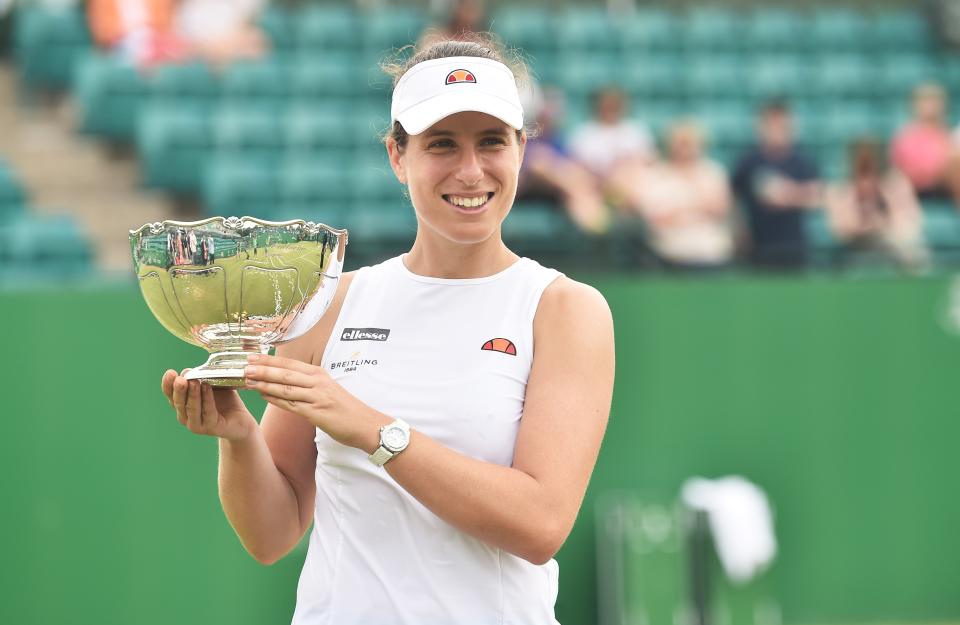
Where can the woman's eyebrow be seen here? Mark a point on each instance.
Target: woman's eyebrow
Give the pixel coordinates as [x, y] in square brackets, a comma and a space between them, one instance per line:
[439, 133]
[495, 131]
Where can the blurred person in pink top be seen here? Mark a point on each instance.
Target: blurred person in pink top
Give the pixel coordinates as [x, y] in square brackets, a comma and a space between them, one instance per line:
[686, 203]
[924, 150]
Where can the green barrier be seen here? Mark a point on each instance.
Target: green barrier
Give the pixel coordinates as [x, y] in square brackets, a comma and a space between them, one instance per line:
[837, 398]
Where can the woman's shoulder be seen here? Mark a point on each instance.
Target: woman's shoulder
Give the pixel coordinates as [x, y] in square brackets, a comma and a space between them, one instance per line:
[567, 302]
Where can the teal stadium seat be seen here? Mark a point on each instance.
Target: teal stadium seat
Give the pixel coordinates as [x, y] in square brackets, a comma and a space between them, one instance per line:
[710, 76]
[391, 27]
[899, 73]
[191, 85]
[240, 186]
[174, 145]
[367, 121]
[657, 75]
[773, 29]
[728, 123]
[109, 94]
[587, 28]
[708, 29]
[279, 25]
[535, 228]
[12, 197]
[900, 29]
[328, 74]
[839, 123]
[841, 75]
[320, 179]
[528, 28]
[327, 26]
[835, 29]
[820, 240]
[385, 225]
[253, 131]
[266, 81]
[372, 180]
[47, 41]
[330, 214]
[43, 247]
[941, 227]
[778, 75]
[320, 127]
[586, 72]
[651, 29]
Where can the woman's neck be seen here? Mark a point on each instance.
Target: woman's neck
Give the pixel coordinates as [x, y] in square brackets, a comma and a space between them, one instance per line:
[446, 259]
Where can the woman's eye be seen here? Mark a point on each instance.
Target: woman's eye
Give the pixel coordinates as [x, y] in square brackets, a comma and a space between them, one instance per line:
[441, 143]
[493, 141]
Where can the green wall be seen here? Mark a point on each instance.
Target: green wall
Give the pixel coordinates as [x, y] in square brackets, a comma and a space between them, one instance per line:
[836, 397]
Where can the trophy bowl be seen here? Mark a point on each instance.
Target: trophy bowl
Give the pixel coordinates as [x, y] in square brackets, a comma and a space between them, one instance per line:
[238, 285]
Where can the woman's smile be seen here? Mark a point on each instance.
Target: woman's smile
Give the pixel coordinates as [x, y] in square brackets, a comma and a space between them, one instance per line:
[470, 204]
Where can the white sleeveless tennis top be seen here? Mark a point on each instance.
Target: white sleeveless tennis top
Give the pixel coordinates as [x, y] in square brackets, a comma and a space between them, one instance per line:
[451, 357]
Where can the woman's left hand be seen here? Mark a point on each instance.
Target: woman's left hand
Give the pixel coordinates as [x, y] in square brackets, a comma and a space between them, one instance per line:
[309, 391]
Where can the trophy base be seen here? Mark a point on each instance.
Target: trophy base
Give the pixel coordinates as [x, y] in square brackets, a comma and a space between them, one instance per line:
[222, 369]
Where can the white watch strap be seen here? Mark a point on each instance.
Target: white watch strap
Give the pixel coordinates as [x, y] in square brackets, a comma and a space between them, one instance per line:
[381, 455]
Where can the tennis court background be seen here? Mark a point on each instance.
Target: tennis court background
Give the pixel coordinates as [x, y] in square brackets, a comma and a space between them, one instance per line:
[836, 396]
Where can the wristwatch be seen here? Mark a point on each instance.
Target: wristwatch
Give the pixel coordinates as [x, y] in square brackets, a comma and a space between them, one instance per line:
[394, 438]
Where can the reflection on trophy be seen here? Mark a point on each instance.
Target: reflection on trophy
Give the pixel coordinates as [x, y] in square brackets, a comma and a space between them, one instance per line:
[237, 286]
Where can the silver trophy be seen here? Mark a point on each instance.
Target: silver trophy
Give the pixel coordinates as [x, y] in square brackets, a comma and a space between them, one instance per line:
[237, 286]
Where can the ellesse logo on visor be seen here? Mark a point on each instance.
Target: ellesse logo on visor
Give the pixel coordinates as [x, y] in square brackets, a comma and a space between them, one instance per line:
[364, 334]
[460, 75]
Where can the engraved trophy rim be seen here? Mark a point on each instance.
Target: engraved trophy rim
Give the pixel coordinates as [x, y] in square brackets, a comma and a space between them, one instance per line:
[232, 222]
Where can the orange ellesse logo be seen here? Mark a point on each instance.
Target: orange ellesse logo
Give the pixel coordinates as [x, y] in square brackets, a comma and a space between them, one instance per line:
[460, 75]
[505, 346]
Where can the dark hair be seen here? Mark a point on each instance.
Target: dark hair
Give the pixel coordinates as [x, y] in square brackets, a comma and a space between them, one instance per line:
[774, 106]
[867, 157]
[481, 45]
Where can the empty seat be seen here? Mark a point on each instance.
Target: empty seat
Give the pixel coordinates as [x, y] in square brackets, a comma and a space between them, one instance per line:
[327, 26]
[185, 84]
[317, 128]
[843, 74]
[653, 75]
[838, 29]
[174, 144]
[328, 75]
[47, 42]
[770, 28]
[778, 75]
[712, 28]
[389, 27]
[320, 179]
[372, 180]
[897, 74]
[266, 80]
[253, 130]
[900, 29]
[587, 28]
[239, 186]
[712, 75]
[528, 28]
[585, 72]
[651, 29]
[108, 94]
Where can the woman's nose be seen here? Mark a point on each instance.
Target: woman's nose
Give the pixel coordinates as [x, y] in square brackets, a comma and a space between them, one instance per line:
[469, 172]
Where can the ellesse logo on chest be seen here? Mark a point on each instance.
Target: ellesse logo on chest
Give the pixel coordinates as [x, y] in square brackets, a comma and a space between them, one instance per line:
[364, 334]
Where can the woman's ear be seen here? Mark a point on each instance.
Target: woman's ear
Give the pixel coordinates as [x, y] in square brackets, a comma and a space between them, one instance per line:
[396, 160]
[523, 144]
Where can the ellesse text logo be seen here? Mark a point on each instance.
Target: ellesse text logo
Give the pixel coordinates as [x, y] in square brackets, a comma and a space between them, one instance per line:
[364, 334]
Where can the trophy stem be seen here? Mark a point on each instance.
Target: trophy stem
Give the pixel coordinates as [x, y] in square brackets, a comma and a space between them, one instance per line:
[224, 368]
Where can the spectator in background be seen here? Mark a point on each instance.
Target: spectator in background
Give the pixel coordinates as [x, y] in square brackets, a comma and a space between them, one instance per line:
[151, 32]
[686, 201]
[924, 150]
[548, 172]
[775, 183]
[877, 209]
[463, 18]
[611, 142]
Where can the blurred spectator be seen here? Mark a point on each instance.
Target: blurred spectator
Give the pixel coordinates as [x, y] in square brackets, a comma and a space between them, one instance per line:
[775, 182]
[611, 141]
[463, 17]
[877, 210]
[924, 150]
[150, 32]
[686, 203]
[548, 173]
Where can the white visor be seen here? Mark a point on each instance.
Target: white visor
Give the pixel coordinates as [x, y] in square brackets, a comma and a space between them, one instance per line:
[432, 90]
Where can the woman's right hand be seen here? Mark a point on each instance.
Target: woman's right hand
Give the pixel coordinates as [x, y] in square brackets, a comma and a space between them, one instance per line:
[204, 409]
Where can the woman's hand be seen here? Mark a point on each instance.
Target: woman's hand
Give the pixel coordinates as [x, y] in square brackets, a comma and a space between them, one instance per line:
[204, 409]
[309, 391]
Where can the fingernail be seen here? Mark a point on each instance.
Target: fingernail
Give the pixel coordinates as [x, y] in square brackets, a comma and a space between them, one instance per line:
[253, 357]
[250, 370]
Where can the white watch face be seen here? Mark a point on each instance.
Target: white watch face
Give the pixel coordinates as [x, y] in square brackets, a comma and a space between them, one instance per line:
[394, 438]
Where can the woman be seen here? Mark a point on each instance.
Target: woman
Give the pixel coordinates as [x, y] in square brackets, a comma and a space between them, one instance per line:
[686, 201]
[479, 454]
[877, 210]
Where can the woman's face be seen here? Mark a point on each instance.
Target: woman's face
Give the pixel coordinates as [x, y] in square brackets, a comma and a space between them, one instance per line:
[461, 174]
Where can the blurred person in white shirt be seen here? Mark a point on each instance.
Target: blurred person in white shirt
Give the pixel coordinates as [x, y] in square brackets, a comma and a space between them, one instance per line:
[685, 201]
[611, 141]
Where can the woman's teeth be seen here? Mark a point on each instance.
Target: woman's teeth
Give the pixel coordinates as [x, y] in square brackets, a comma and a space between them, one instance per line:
[468, 202]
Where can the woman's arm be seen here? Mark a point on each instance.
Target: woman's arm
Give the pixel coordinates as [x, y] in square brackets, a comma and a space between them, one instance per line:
[266, 480]
[527, 509]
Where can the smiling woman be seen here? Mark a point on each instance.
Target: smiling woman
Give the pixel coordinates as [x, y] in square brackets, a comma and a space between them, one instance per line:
[439, 425]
